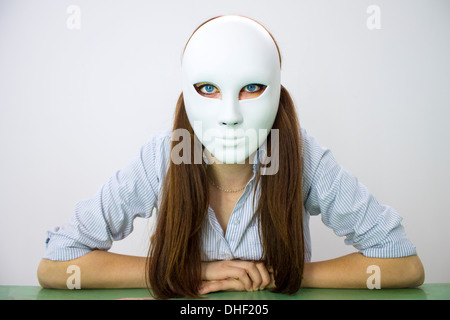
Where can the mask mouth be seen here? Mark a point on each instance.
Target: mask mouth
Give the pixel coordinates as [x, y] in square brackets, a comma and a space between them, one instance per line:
[231, 138]
[233, 134]
[230, 143]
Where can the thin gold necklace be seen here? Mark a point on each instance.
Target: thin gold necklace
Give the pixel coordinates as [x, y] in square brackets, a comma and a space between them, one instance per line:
[223, 189]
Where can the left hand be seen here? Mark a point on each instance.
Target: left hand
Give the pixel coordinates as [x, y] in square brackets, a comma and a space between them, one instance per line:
[234, 275]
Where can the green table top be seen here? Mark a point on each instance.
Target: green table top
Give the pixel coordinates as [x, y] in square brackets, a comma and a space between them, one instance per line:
[424, 292]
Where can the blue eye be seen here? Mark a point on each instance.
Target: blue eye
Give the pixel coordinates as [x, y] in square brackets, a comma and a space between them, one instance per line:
[254, 88]
[251, 91]
[251, 88]
[209, 88]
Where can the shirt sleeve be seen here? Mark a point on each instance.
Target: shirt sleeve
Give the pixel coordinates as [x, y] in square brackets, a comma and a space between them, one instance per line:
[348, 208]
[108, 216]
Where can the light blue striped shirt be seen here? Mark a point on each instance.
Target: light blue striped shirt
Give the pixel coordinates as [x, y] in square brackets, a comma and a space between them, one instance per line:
[344, 203]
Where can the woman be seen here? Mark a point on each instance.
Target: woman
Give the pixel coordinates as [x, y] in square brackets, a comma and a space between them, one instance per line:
[234, 183]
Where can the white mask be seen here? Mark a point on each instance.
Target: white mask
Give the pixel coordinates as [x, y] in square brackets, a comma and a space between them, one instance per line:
[231, 53]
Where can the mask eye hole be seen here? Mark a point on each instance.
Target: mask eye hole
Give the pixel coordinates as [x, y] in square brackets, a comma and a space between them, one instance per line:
[207, 90]
[251, 91]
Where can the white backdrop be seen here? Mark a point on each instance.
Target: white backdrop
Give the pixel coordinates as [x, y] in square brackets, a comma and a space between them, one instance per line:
[83, 84]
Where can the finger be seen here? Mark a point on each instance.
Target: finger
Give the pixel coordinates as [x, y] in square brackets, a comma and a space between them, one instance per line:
[265, 275]
[241, 274]
[244, 271]
[272, 280]
[221, 285]
[253, 272]
[222, 270]
[255, 275]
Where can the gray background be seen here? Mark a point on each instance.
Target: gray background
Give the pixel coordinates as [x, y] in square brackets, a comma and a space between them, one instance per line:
[77, 104]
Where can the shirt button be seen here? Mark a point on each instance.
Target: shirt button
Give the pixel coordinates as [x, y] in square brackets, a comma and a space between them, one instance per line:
[227, 256]
[236, 222]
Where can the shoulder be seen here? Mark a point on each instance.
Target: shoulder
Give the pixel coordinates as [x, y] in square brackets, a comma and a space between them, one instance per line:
[312, 151]
[316, 159]
[162, 137]
[155, 153]
[158, 142]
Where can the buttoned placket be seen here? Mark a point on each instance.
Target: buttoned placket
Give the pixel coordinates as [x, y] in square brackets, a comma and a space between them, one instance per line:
[233, 234]
[230, 241]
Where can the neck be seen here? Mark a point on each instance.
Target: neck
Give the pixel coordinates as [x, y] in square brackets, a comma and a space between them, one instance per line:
[230, 176]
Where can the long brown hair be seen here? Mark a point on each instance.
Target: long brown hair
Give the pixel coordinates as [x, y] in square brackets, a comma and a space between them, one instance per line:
[173, 267]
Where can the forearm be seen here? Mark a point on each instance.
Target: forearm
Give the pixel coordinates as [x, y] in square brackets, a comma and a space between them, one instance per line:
[351, 271]
[98, 269]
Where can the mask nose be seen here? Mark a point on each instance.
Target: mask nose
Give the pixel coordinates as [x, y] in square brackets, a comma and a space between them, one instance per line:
[230, 115]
